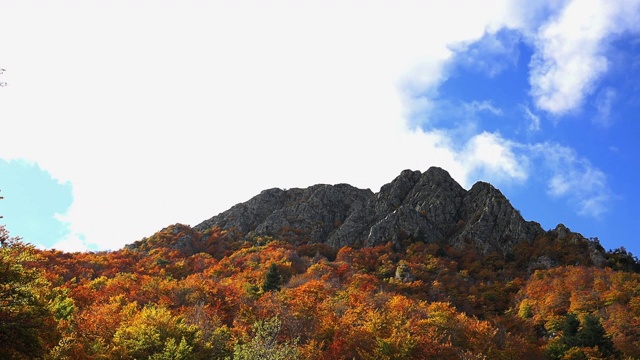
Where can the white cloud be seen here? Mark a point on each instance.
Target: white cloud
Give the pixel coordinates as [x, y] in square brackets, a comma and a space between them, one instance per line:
[174, 112]
[585, 185]
[459, 120]
[477, 106]
[491, 54]
[595, 206]
[570, 51]
[492, 158]
[574, 178]
[71, 243]
[535, 119]
[604, 103]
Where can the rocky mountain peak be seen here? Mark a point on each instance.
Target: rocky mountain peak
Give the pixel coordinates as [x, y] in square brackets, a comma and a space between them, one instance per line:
[430, 207]
[493, 220]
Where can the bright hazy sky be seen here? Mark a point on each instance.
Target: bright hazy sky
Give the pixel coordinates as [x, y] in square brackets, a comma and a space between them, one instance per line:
[120, 118]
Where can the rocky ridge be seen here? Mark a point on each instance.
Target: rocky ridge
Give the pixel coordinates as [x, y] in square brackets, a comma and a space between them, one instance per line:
[429, 207]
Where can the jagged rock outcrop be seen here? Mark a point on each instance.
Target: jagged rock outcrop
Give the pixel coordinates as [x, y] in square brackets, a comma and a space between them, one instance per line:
[313, 213]
[491, 221]
[596, 252]
[429, 206]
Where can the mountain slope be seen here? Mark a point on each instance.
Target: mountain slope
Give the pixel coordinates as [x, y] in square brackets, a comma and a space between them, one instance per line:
[431, 271]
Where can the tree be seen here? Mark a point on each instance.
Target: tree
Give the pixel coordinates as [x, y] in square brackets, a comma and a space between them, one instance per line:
[272, 280]
[592, 334]
[154, 332]
[264, 344]
[173, 351]
[27, 325]
[578, 335]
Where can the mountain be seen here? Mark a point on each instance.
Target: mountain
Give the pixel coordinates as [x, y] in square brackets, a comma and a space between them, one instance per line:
[423, 269]
[430, 207]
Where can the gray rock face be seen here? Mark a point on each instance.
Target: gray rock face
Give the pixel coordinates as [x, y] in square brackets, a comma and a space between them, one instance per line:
[313, 213]
[424, 207]
[429, 206]
[492, 222]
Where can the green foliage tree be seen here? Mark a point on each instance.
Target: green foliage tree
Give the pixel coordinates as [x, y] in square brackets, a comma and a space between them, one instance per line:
[155, 333]
[27, 325]
[570, 330]
[272, 280]
[592, 334]
[577, 335]
[264, 344]
[173, 351]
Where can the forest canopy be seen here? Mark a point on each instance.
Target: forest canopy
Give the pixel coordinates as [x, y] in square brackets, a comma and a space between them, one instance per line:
[231, 298]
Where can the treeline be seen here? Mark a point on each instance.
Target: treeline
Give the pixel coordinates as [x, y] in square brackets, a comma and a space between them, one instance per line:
[181, 294]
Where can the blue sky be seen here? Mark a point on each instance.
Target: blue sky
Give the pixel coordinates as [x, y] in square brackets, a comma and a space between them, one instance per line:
[121, 118]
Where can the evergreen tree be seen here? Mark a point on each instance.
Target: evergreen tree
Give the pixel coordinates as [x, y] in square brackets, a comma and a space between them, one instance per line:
[593, 334]
[577, 335]
[570, 330]
[272, 280]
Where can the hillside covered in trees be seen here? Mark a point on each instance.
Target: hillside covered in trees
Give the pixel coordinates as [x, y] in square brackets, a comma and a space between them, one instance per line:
[473, 281]
[240, 299]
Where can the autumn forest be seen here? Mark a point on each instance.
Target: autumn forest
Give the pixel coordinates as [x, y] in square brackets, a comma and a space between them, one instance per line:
[225, 297]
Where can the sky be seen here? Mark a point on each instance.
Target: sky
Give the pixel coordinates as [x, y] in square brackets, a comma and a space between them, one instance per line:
[120, 118]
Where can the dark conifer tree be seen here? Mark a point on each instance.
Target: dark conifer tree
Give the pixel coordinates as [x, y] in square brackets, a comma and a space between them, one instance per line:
[592, 334]
[272, 280]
